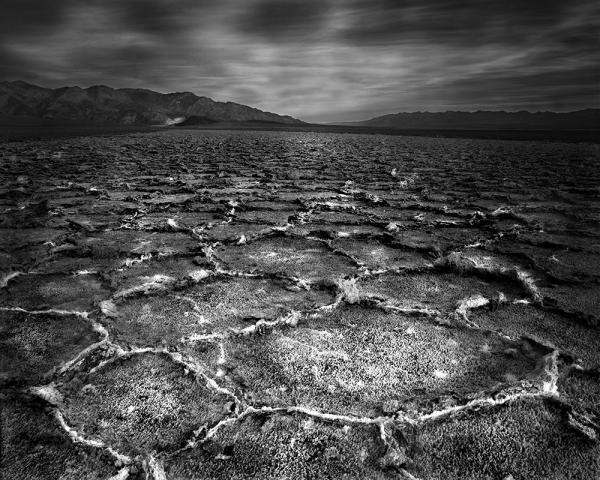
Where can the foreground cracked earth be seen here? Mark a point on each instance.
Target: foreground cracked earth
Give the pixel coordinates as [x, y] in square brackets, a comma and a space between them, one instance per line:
[204, 305]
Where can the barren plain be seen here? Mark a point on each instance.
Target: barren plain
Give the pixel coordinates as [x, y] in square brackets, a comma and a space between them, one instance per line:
[275, 305]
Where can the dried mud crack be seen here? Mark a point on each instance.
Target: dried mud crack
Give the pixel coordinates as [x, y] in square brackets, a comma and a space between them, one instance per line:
[293, 305]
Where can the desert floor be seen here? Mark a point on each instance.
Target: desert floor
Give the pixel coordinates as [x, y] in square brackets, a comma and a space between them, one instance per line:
[231, 305]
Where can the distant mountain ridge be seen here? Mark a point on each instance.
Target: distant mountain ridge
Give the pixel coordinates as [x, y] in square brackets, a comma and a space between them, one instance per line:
[588, 119]
[125, 106]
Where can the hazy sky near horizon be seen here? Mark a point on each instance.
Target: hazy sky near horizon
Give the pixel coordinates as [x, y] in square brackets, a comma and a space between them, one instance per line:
[318, 60]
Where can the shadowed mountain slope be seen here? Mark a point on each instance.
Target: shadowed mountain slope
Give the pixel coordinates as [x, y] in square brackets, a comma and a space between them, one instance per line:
[588, 119]
[126, 106]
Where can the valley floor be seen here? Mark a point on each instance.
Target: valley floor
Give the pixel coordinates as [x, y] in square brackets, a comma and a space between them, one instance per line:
[228, 305]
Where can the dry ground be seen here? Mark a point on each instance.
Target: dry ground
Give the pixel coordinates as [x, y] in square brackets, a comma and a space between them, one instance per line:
[219, 305]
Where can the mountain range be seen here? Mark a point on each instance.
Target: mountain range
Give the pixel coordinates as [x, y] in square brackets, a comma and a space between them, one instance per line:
[588, 119]
[125, 106]
[22, 102]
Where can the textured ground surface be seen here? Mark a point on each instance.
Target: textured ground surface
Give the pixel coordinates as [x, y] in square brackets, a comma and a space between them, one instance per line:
[232, 305]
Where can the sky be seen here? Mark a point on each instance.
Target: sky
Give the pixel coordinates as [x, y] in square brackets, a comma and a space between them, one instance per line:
[317, 60]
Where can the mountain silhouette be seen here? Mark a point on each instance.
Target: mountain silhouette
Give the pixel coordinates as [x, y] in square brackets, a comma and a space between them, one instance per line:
[588, 119]
[124, 106]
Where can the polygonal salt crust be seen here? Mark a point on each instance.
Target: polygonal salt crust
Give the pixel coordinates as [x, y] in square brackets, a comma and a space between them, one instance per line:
[32, 345]
[19, 238]
[440, 291]
[23, 258]
[307, 196]
[91, 221]
[171, 200]
[125, 196]
[458, 237]
[284, 446]
[342, 203]
[272, 204]
[567, 334]
[414, 175]
[523, 439]
[504, 224]
[337, 217]
[579, 300]
[35, 447]
[442, 240]
[143, 403]
[333, 230]
[265, 217]
[566, 264]
[158, 220]
[359, 361]
[298, 257]
[27, 246]
[435, 217]
[99, 209]
[53, 291]
[537, 256]
[172, 267]
[232, 232]
[211, 306]
[63, 264]
[376, 256]
[556, 261]
[193, 219]
[566, 241]
[132, 242]
[491, 260]
[227, 191]
[390, 213]
[22, 237]
[581, 389]
[552, 221]
[418, 240]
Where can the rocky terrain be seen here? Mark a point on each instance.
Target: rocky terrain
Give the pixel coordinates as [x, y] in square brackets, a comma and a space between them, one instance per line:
[123, 106]
[274, 305]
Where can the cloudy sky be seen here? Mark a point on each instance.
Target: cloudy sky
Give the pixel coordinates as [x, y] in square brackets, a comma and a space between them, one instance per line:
[319, 60]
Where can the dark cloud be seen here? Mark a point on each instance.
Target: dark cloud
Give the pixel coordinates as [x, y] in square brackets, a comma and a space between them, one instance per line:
[451, 21]
[556, 90]
[25, 17]
[160, 17]
[320, 60]
[284, 19]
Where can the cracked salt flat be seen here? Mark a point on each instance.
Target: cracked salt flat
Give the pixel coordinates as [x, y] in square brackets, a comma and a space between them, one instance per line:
[250, 314]
[359, 361]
